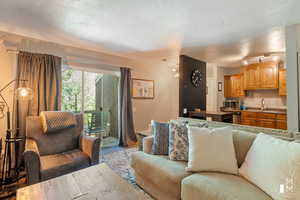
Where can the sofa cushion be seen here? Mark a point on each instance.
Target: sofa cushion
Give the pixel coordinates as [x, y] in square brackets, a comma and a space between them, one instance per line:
[242, 141]
[178, 138]
[63, 163]
[273, 165]
[53, 121]
[161, 138]
[218, 186]
[211, 150]
[160, 171]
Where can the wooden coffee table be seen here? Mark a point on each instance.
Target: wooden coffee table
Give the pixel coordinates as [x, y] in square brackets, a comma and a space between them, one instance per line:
[96, 182]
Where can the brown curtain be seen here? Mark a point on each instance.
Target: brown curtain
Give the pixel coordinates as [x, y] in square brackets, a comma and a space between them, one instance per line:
[127, 133]
[43, 75]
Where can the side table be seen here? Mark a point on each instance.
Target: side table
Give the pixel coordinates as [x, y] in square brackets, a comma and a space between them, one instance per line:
[140, 136]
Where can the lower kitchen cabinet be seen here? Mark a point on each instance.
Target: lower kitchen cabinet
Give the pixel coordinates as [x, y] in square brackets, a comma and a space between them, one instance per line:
[249, 122]
[265, 120]
[280, 124]
[266, 123]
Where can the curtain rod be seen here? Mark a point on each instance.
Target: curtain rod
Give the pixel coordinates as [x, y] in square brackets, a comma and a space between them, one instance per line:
[67, 61]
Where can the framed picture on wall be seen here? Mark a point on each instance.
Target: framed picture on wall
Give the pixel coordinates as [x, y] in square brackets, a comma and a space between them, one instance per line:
[142, 89]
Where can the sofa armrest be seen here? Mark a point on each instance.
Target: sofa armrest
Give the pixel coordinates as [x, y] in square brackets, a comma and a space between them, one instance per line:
[91, 146]
[32, 161]
[147, 144]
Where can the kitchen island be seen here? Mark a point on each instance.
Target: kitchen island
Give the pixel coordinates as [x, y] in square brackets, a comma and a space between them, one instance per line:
[214, 115]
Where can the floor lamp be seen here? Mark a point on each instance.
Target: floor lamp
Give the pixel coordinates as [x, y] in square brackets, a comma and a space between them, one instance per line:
[21, 93]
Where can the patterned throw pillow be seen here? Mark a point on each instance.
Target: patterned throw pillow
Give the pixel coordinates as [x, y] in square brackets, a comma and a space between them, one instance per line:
[178, 139]
[160, 132]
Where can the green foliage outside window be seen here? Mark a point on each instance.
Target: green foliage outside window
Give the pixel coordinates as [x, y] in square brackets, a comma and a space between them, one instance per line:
[71, 90]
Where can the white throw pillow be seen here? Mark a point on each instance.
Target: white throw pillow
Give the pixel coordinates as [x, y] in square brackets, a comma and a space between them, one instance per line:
[211, 150]
[274, 166]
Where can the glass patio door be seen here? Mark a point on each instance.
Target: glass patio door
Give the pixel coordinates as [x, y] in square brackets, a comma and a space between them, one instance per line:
[95, 95]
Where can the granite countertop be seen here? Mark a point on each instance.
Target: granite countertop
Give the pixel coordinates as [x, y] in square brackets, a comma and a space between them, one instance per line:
[212, 112]
[267, 110]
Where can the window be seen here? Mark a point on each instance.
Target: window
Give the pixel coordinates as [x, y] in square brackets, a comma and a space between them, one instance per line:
[71, 90]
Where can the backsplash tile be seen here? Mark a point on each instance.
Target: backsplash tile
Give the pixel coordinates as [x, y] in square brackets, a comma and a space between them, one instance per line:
[272, 99]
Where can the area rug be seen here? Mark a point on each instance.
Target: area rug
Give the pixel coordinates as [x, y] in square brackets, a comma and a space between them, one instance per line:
[118, 159]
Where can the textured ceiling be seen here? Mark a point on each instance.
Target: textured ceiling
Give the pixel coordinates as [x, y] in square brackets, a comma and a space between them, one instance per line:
[222, 31]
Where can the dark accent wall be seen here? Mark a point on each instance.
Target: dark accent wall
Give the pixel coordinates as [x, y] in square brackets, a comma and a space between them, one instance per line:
[191, 97]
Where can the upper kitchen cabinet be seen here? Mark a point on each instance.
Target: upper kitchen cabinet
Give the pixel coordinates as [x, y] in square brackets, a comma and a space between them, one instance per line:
[282, 82]
[237, 88]
[251, 77]
[268, 72]
[233, 85]
[227, 86]
[261, 76]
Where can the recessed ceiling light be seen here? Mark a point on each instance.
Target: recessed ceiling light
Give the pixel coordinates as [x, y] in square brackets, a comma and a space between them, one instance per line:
[174, 70]
[245, 62]
[275, 58]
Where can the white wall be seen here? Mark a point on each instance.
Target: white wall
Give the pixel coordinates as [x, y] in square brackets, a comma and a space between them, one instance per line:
[165, 105]
[212, 87]
[162, 108]
[7, 73]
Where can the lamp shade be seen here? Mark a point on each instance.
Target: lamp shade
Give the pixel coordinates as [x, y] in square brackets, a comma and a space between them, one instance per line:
[23, 93]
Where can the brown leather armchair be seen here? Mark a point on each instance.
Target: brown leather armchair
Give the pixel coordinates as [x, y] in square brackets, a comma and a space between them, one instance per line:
[57, 149]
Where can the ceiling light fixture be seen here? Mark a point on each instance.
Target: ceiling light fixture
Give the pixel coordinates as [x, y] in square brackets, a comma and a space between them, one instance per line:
[245, 62]
[275, 58]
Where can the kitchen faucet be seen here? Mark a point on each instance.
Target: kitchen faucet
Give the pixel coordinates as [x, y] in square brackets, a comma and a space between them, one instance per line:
[262, 105]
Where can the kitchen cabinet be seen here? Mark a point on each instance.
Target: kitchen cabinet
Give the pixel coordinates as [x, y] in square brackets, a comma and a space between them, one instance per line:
[249, 122]
[281, 125]
[251, 77]
[282, 82]
[237, 88]
[281, 121]
[261, 76]
[265, 120]
[227, 87]
[266, 123]
[268, 74]
[233, 85]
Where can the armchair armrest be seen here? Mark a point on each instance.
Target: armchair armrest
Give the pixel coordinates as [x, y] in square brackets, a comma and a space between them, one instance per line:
[32, 161]
[147, 144]
[90, 146]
